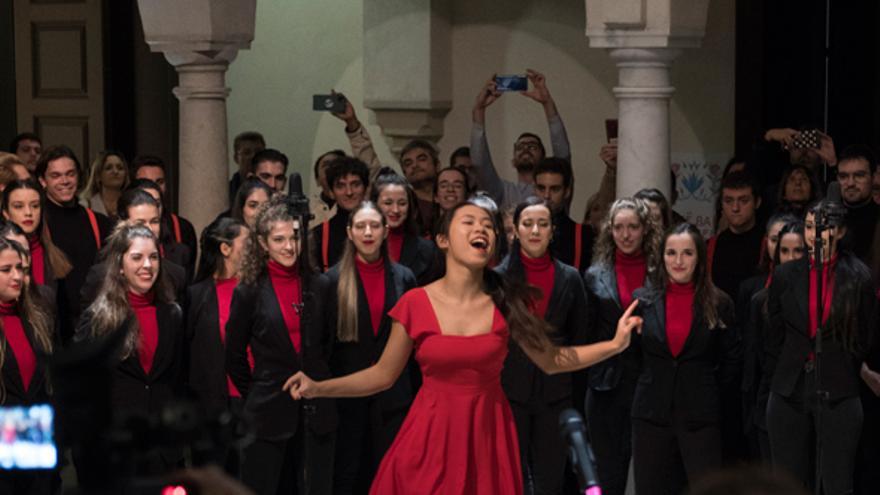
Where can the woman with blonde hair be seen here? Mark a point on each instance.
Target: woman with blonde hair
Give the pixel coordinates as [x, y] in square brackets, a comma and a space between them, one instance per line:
[626, 251]
[107, 179]
[368, 284]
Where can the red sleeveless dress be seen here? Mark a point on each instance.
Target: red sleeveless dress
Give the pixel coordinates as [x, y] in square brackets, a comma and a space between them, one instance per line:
[459, 436]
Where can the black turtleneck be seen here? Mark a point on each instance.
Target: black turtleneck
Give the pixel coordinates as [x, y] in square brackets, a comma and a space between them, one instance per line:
[72, 232]
[736, 258]
[861, 221]
[562, 246]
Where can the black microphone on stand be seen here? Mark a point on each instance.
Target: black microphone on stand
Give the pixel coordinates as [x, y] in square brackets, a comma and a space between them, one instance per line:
[575, 433]
[834, 213]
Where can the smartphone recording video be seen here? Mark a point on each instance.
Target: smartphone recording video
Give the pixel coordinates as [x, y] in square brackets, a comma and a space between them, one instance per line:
[27, 437]
[511, 83]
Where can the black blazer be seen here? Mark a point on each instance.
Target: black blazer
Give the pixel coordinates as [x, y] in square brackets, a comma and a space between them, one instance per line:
[692, 382]
[255, 320]
[13, 384]
[787, 343]
[420, 256]
[755, 382]
[348, 357]
[182, 256]
[132, 388]
[521, 379]
[95, 277]
[206, 375]
[603, 310]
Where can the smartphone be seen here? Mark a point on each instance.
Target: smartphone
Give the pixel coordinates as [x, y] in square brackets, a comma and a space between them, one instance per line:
[27, 437]
[511, 83]
[329, 103]
[610, 129]
[806, 139]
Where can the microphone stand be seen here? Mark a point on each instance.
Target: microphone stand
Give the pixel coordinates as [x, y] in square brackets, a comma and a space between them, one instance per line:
[822, 225]
[298, 208]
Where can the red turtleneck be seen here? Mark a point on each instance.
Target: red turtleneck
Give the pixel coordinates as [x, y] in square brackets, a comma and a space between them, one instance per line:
[38, 263]
[225, 287]
[285, 281]
[395, 243]
[539, 272]
[18, 341]
[827, 292]
[373, 278]
[630, 270]
[679, 315]
[145, 311]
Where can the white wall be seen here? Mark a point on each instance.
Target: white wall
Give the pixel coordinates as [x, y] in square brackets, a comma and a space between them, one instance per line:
[303, 48]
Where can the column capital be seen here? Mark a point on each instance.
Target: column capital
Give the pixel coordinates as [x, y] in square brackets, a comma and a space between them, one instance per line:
[401, 125]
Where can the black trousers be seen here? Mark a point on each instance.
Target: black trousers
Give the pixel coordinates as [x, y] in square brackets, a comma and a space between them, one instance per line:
[792, 425]
[541, 447]
[29, 482]
[867, 472]
[301, 465]
[660, 450]
[610, 424]
[365, 433]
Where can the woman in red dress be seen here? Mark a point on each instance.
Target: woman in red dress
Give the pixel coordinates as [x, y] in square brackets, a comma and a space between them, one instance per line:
[459, 436]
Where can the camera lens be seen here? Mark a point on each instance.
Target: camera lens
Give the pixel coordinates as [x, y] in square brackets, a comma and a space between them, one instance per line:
[328, 102]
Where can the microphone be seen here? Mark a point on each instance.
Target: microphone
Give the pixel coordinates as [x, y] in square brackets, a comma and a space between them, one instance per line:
[575, 433]
[297, 201]
[834, 213]
[295, 186]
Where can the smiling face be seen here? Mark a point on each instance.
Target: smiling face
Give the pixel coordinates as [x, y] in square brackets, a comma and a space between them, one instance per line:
[534, 230]
[60, 180]
[283, 242]
[24, 209]
[418, 166]
[471, 238]
[451, 189]
[394, 203]
[11, 275]
[680, 257]
[348, 191]
[367, 232]
[140, 265]
[627, 231]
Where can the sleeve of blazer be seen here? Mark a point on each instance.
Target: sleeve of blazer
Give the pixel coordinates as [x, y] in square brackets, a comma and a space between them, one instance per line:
[238, 336]
[730, 365]
[774, 332]
[576, 328]
[868, 338]
[591, 310]
[181, 352]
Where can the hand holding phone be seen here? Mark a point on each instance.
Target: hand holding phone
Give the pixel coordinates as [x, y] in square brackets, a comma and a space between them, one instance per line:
[511, 83]
[334, 102]
[806, 139]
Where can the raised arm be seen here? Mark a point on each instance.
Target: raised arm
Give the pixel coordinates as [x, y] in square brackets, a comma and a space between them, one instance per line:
[541, 94]
[558, 359]
[488, 177]
[359, 139]
[381, 376]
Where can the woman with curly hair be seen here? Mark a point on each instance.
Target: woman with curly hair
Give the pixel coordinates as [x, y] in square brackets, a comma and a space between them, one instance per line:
[626, 251]
[278, 311]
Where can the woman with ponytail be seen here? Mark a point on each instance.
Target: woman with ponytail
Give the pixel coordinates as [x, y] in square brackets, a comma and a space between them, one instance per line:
[208, 304]
[459, 435]
[26, 341]
[626, 251]
[558, 298]
[368, 284]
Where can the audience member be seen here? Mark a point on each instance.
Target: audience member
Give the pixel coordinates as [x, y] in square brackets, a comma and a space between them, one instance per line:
[461, 158]
[662, 213]
[797, 189]
[270, 166]
[528, 149]
[12, 162]
[572, 243]
[28, 147]
[107, 178]
[420, 162]
[855, 170]
[349, 181]
[451, 188]
[244, 147]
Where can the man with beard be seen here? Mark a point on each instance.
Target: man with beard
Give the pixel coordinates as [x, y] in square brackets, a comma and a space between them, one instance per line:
[855, 170]
[419, 162]
[528, 149]
[572, 243]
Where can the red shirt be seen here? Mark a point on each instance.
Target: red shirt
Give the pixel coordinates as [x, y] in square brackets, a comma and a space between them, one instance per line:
[225, 287]
[285, 281]
[679, 315]
[395, 243]
[145, 311]
[18, 342]
[373, 278]
[38, 262]
[827, 292]
[630, 270]
[540, 273]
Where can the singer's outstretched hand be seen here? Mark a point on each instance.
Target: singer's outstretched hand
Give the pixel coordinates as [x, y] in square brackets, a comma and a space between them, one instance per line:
[301, 386]
[626, 324]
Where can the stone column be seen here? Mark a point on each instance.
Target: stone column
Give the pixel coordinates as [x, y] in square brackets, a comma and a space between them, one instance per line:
[200, 38]
[643, 38]
[408, 67]
[643, 95]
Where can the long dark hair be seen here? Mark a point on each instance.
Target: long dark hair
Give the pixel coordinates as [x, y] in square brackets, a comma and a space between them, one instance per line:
[57, 259]
[769, 260]
[246, 189]
[707, 297]
[223, 230]
[511, 297]
[815, 189]
[413, 223]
